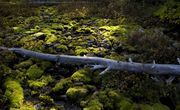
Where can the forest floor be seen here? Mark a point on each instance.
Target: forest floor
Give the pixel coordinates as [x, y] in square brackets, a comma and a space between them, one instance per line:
[29, 83]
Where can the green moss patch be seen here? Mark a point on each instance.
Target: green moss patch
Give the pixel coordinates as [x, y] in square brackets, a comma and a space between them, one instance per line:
[82, 76]
[76, 93]
[62, 86]
[14, 93]
[39, 83]
[34, 72]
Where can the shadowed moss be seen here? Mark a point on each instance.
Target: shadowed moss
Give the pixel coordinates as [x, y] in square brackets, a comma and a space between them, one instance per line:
[14, 93]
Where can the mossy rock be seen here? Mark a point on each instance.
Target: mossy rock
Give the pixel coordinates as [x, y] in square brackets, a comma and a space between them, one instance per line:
[14, 93]
[94, 105]
[24, 64]
[82, 75]
[62, 86]
[76, 93]
[159, 106]
[34, 72]
[39, 83]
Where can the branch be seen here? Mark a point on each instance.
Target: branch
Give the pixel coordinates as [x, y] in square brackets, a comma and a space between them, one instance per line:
[155, 69]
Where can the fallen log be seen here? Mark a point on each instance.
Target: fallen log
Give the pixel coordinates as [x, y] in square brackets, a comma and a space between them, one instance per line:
[107, 64]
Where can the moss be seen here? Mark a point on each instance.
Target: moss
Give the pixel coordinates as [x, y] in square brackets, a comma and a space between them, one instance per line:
[94, 105]
[39, 83]
[62, 85]
[62, 48]
[14, 93]
[51, 39]
[24, 64]
[34, 72]
[26, 106]
[46, 99]
[82, 76]
[158, 106]
[76, 93]
[81, 51]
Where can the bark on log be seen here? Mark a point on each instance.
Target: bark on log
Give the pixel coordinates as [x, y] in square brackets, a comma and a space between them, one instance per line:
[107, 64]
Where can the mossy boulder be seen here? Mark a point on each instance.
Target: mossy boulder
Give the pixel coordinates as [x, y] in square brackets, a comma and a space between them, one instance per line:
[62, 86]
[77, 93]
[39, 83]
[94, 105]
[14, 93]
[34, 72]
[82, 75]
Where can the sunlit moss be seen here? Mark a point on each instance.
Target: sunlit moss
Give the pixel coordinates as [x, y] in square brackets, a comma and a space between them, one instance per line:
[34, 72]
[14, 93]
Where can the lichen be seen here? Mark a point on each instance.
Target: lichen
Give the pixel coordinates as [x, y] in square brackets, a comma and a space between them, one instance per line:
[34, 72]
[14, 93]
